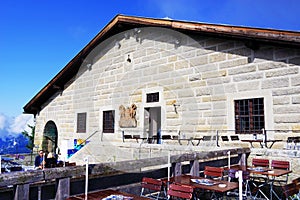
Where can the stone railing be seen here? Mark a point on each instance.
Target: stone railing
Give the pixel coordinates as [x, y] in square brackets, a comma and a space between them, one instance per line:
[63, 175]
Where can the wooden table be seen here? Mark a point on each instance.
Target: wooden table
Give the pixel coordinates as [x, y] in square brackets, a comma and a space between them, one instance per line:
[105, 193]
[270, 176]
[215, 188]
[186, 180]
[263, 143]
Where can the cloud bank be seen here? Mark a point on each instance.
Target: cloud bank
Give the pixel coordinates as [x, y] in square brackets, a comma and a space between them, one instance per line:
[13, 126]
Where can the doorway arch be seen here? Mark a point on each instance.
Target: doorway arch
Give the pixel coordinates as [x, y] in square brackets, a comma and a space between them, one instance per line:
[50, 137]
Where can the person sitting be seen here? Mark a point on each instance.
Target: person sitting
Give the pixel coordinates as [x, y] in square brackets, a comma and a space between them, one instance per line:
[39, 162]
[50, 161]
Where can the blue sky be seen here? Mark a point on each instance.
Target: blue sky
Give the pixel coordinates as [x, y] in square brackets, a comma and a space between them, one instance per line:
[38, 38]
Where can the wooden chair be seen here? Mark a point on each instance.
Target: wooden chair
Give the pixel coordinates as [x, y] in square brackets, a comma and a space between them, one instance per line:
[180, 191]
[280, 164]
[152, 188]
[246, 183]
[225, 138]
[259, 162]
[126, 137]
[297, 182]
[234, 138]
[213, 172]
[290, 191]
[208, 140]
[166, 137]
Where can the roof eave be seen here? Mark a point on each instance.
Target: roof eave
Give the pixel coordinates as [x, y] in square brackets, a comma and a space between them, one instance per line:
[276, 37]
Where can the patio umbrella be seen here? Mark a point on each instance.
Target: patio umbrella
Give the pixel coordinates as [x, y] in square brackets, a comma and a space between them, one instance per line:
[169, 160]
[228, 153]
[86, 177]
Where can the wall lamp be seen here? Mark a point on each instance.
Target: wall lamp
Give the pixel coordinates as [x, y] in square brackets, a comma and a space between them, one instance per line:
[136, 32]
[177, 43]
[118, 44]
[89, 66]
[126, 35]
[175, 107]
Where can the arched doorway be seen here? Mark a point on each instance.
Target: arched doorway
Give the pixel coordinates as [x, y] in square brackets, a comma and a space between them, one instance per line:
[50, 137]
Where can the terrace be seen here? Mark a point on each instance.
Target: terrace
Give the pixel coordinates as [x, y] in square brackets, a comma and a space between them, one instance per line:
[62, 182]
[136, 159]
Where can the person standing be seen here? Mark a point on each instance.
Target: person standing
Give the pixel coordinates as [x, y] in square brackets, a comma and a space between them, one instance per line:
[50, 161]
[39, 162]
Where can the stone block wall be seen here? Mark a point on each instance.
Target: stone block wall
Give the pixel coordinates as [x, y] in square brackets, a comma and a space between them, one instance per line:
[201, 74]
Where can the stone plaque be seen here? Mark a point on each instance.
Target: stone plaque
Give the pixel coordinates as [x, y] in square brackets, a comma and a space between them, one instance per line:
[127, 116]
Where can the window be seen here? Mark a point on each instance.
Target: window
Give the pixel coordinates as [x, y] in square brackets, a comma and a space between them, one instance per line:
[108, 121]
[249, 115]
[81, 122]
[152, 97]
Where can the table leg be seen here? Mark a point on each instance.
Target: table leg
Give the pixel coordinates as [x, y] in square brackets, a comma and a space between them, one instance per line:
[271, 144]
[179, 141]
[251, 144]
[195, 144]
[259, 191]
[272, 191]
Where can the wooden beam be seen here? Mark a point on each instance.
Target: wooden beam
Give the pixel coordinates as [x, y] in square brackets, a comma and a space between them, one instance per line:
[63, 188]
[194, 167]
[22, 192]
[20, 178]
[113, 168]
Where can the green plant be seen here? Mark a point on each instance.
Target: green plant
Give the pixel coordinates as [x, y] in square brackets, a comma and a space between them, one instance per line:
[30, 137]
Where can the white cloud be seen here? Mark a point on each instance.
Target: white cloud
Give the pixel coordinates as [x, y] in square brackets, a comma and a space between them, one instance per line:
[20, 123]
[2, 121]
[179, 9]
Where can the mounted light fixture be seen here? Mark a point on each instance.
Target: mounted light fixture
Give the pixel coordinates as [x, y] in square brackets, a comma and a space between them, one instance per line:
[136, 33]
[175, 107]
[128, 58]
[89, 66]
[118, 44]
[87, 63]
[126, 35]
[177, 43]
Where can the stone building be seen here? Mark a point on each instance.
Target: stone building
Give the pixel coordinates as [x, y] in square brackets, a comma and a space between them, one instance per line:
[155, 77]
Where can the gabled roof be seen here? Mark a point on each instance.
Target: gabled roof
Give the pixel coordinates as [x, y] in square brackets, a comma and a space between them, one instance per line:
[120, 23]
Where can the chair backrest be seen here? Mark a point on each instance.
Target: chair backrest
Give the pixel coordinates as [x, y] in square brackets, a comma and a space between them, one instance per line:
[207, 138]
[234, 138]
[289, 190]
[225, 138]
[127, 136]
[136, 137]
[152, 184]
[259, 162]
[297, 182]
[180, 191]
[213, 172]
[166, 137]
[280, 164]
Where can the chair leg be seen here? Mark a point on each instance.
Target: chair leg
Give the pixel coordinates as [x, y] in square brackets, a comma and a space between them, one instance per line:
[247, 192]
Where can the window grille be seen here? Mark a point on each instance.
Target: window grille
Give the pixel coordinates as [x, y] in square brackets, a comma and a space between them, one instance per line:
[249, 115]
